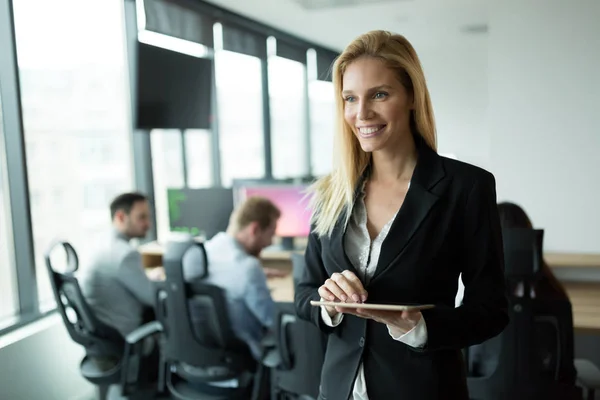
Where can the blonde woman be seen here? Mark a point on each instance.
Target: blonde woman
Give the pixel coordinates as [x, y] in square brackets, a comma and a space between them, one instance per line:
[396, 223]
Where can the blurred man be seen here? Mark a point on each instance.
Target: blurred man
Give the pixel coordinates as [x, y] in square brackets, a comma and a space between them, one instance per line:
[234, 266]
[113, 281]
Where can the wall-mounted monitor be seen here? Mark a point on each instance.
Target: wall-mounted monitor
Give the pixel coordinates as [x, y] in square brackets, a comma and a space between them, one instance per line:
[173, 89]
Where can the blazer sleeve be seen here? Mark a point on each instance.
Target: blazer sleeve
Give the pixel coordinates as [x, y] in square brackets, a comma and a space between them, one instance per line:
[313, 276]
[483, 313]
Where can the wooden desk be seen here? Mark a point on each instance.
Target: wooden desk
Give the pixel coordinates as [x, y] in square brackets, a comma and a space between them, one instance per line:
[282, 289]
[585, 300]
[565, 260]
[152, 256]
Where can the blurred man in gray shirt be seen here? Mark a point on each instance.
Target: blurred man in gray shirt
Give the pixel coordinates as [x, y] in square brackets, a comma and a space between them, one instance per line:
[113, 281]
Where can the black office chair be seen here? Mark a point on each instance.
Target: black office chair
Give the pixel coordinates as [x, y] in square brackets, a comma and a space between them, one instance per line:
[298, 267]
[527, 366]
[527, 359]
[301, 347]
[199, 353]
[98, 339]
[301, 350]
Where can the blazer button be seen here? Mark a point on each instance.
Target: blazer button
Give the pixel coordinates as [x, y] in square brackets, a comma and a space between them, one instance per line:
[361, 342]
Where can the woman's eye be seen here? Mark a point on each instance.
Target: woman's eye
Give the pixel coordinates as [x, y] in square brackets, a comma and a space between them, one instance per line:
[380, 95]
[349, 99]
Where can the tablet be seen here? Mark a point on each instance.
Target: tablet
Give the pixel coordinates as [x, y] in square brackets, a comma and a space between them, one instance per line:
[371, 306]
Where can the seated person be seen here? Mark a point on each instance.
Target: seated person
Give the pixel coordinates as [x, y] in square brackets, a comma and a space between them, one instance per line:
[484, 358]
[113, 280]
[234, 266]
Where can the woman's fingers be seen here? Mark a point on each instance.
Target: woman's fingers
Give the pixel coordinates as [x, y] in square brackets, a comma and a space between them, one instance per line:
[350, 285]
[338, 292]
[361, 293]
[344, 287]
[326, 294]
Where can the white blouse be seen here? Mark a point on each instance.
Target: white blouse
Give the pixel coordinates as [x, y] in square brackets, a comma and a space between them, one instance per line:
[364, 256]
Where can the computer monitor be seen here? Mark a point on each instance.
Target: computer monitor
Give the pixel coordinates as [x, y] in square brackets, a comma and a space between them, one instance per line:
[173, 89]
[200, 211]
[291, 201]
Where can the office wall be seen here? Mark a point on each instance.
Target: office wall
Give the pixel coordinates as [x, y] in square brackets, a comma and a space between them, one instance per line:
[42, 365]
[457, 78]
[544, 115]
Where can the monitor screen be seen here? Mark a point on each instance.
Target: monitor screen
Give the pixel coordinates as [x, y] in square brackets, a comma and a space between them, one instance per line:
[291, 201]
[173, 89]
[200, 212]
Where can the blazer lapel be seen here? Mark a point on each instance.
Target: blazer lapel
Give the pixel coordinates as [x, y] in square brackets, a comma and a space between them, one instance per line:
[418, 203]
[337, 247]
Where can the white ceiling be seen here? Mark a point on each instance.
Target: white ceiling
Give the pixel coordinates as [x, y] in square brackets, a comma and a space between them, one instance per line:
[423, 22]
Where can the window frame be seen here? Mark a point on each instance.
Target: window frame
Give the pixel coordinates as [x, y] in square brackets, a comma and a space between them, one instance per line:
[18, 192]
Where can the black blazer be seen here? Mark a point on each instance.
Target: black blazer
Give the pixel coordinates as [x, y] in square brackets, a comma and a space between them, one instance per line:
[448, 224]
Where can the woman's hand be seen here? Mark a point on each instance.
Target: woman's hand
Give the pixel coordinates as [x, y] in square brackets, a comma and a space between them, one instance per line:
[344, 287]
[398, 321]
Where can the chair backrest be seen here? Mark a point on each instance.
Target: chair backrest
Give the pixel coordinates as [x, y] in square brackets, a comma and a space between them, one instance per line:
[523, 252]
[81, 323]
[302, 348]
[298, 267]
[197, 331]
[555, 340]
[530, 354]
[533, 356]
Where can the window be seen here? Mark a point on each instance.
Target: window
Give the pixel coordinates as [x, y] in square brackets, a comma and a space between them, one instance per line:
[287, 99]
[75, 104]
[8, 290]
[198, 155]
[240, 116]
[322, 126]
[167, 169]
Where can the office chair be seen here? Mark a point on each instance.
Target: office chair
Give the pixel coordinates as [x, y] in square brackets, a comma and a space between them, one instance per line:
[524, 369]
[301, 348]
[199, 347]
[298, 267]
[98, 339]
[527, 359]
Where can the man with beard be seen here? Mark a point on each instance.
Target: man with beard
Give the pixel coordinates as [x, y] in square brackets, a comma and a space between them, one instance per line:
[113, 280]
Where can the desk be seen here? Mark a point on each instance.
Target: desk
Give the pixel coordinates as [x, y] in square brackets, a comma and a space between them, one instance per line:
[282, 289]
[585, 300]
[565, 260]
[152, 256]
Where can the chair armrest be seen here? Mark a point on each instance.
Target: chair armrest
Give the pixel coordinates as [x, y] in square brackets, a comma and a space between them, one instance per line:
[588, 374]
[271, 358]
[133, 354]
[143, 332]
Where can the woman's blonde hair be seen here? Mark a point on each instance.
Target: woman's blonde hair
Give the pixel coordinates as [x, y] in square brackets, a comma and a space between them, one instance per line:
[333, 194]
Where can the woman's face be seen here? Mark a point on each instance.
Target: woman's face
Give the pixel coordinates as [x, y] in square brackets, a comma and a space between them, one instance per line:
[376, 105]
